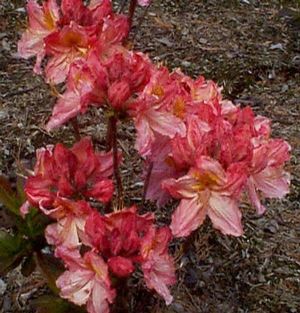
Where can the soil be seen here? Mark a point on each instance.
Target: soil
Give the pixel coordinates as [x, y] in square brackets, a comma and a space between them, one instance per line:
[252, 49]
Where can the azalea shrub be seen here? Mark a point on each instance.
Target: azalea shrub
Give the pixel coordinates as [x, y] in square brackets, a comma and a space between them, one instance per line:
[197, 149]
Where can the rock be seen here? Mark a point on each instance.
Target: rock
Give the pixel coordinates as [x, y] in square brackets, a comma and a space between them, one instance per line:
[277, 46]
[3, 287]
[186, 63]
[177, 307]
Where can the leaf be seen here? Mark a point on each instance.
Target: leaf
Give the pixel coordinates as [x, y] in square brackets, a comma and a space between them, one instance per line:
[54, 304]
[50, 267]
[33, 226]
[12, 250]
[28, 266]
[20, 189]
[8, 197]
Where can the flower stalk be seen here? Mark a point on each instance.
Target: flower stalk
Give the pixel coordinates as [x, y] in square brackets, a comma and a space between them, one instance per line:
[112, 136]
[75, 125]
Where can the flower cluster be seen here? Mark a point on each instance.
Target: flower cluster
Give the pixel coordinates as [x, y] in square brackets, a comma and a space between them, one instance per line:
[206, 152]
[63, 182]
[196, 146]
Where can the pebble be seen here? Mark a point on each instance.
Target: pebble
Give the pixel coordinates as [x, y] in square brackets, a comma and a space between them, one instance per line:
[3, 287]
[186, 63]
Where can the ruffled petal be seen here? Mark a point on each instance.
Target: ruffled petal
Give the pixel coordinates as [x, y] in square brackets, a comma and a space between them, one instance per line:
[188, 216]
[225, 215]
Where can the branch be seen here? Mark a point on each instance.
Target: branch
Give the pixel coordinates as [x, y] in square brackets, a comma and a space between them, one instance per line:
[147, 181]
[112, 128]
[74, 123]
[132, 7]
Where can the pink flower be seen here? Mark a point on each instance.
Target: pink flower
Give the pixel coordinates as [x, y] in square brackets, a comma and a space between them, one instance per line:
[71, 218]
[125, 238]
[86, 85]
[163, 167]
[205, 91]
[157, 265]
[128, 73]
[266, 172]
[42, 22]
[115, 29]
[76, 172]
[197, 142]
[86, 282]
[109, 75]
[117, 236]
[121, 266]
[207, 190]
[150, 122]
[66, 46]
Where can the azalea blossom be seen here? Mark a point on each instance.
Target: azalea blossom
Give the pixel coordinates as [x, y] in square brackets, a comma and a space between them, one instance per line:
[81, 91]
[109, 76]
[71, 217]
[75, 172]
[196, 147]
[267, 174]
[42, 20]
[117, 237]
[160, 166]
[124, 238]
[150, 122]
[64, 47]
[67, 33]
[207, 190]
[157, 265]
[86, 281]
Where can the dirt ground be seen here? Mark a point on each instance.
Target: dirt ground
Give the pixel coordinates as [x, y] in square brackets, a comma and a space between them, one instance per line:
[252, 49]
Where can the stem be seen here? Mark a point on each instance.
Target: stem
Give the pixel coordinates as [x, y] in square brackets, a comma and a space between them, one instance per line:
[140, 21]
[132, 8]
[113, 129]
[121, 9]
[74, 123]
[147, 181]
[109, 136]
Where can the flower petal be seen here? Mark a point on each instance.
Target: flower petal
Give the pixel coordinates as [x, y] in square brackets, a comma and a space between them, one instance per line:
[273, 182]
[188, 216]
[254, 198]
[159, 273]
[225, 215]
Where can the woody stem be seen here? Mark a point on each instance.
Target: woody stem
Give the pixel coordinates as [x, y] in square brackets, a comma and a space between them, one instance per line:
[112, 124]
[140, 21]
[132, 7]
[147, 181]
[75, 125]
[122, 6]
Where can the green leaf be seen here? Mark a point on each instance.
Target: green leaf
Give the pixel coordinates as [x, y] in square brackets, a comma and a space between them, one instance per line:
[53, 304]
[33, 227]
[12, 250]
[20, 189]
[8, 197]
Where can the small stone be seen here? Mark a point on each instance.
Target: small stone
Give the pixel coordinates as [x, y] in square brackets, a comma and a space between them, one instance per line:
[6, 306]
[3, 287]
[285, 88]
[177, 307]
[3, 115]
[277, 46]
[186, 63]
[21, 10]
[203, 41]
